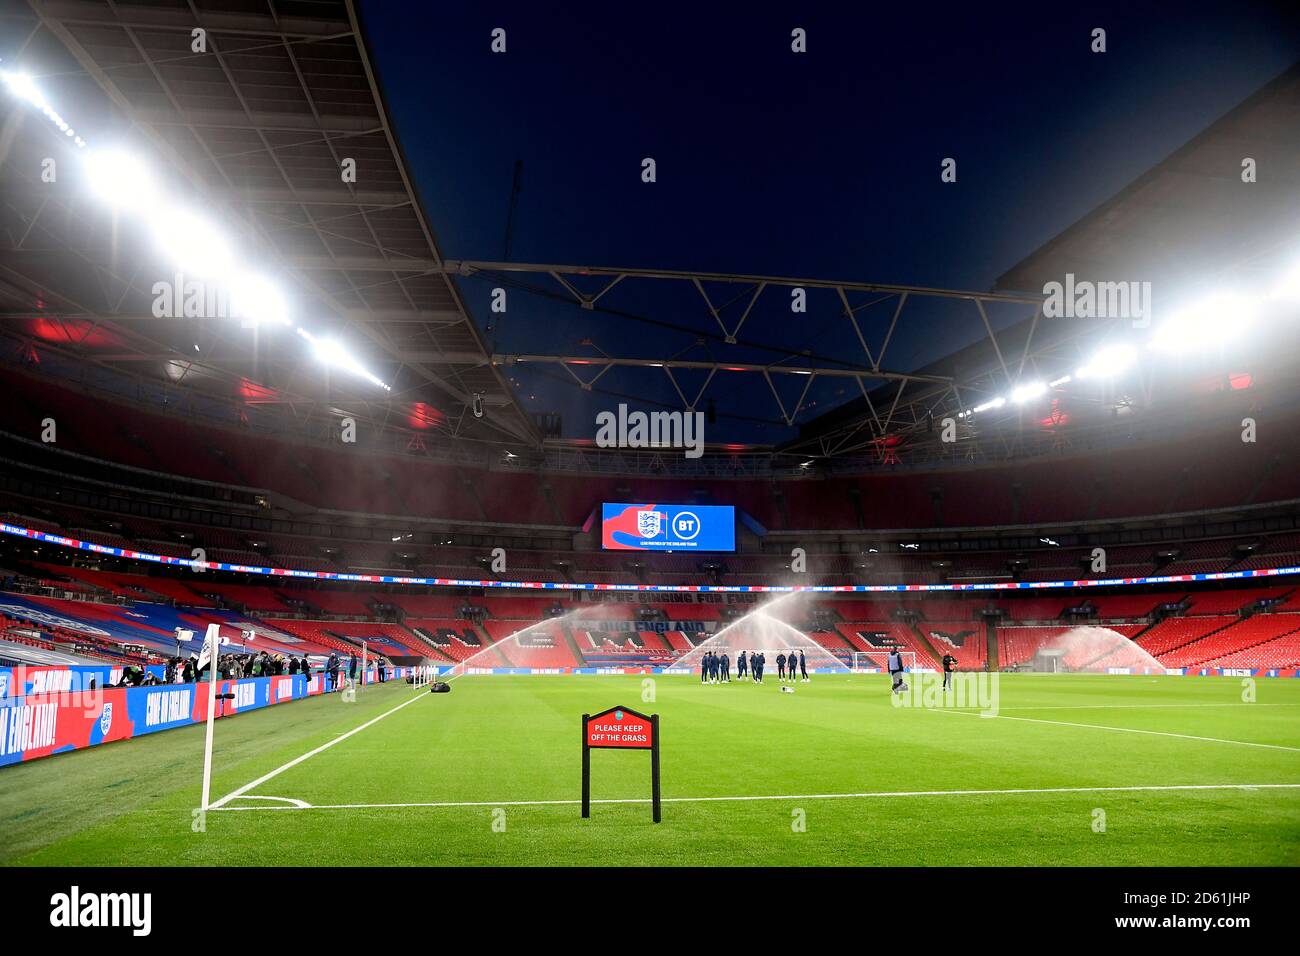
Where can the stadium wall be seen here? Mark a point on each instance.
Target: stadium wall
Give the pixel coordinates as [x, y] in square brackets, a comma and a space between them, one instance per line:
[64, 679]
[39, 725]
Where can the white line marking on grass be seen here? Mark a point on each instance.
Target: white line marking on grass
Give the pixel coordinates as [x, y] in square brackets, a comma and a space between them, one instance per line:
[297, 760]
[1122, 730]
[804, 796]
[1127, 706]
[300, 804]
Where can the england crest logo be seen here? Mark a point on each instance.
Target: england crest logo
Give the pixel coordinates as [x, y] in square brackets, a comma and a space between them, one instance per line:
[648, 523]
[4, 685]
[106, 718]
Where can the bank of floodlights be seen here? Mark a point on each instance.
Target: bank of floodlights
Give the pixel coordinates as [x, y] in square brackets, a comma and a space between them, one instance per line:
[190, 242]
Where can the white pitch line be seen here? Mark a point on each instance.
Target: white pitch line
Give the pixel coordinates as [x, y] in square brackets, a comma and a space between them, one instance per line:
[1133, 706]
[803, 796]
[297, 760]
[300, 804]
[1122, 730]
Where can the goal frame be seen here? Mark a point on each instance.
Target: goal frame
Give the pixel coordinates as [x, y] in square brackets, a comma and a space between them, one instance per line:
[860, 659]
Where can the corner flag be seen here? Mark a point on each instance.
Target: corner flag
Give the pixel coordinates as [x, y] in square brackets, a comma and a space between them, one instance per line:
[209, 639]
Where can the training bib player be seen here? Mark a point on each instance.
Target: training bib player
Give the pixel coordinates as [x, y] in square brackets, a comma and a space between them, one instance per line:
[896, 671]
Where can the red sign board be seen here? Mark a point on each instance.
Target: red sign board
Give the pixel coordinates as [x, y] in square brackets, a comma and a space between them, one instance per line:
[619, 727]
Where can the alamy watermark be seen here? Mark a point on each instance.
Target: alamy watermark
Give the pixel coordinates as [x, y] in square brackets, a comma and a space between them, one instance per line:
[1085, 299]
[624, 429]
[76, 908]
[38, 696]
[190, 298]
[972, 690]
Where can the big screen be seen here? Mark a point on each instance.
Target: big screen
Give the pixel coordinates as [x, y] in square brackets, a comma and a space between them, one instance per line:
[627, 527]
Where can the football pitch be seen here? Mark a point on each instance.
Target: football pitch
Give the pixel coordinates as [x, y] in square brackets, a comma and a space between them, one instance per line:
[1072, 770]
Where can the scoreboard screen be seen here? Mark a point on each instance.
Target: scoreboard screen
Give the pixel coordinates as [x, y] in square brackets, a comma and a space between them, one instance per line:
[625, 527]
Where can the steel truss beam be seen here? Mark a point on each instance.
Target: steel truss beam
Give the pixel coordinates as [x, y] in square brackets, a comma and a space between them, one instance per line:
[896, 402]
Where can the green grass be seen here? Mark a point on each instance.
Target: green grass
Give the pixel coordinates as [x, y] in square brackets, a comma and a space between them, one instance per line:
[500, 739]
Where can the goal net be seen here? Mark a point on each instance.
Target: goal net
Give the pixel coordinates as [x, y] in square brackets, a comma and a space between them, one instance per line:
[865, 662]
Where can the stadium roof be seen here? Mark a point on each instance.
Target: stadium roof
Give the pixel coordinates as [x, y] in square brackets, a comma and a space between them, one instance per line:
[257, 128]
[1191, 217]
[1187, 224]
[257, 131]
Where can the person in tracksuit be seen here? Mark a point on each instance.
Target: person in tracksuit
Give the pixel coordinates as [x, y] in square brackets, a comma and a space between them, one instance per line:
[780, 667]
[704, 668]
[949, 665]
[803, 667]
[756, 662]
[726, 669]
[740, 666]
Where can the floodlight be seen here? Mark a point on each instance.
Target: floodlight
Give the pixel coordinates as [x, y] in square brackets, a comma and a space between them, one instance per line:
[1208, 323]
[24, 87]
[1027, 392]
[1288, 287]
[256, 299]
[989, 405]
[332, 352]
[121, 180]
[192, 243]
[1109, 361]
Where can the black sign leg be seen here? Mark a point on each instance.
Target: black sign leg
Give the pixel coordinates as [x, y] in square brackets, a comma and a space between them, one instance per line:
[654, 766]
[586, 770]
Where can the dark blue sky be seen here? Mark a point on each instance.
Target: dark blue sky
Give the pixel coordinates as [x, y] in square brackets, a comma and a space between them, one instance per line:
[824, 164]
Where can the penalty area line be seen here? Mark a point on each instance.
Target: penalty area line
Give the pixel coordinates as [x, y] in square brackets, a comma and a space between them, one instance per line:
[1124, 706]
[880, 794]
[220, 804]
[1120, 730]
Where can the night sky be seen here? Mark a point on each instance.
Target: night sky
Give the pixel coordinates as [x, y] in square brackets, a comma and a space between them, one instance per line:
[824, 164]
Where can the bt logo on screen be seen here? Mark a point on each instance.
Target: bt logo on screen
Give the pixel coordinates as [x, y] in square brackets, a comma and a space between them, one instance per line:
[686, 526]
